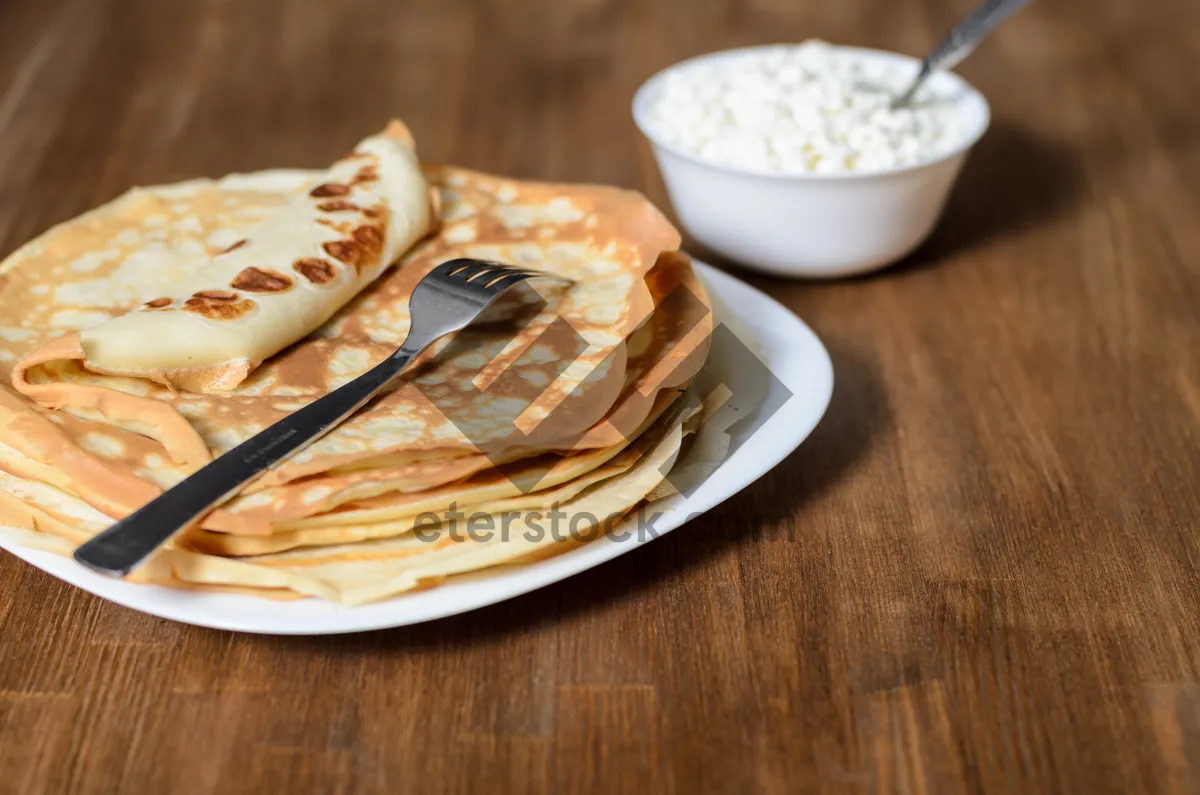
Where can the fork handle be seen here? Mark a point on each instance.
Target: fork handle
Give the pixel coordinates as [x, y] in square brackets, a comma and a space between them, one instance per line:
[122, 547]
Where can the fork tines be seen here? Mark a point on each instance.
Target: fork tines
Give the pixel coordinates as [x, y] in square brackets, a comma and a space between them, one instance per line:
[488, 274]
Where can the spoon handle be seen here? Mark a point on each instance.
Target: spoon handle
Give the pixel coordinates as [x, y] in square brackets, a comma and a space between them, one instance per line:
[962, 41]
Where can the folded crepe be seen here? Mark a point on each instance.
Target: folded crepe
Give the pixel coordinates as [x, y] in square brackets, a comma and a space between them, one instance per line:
[266, 290]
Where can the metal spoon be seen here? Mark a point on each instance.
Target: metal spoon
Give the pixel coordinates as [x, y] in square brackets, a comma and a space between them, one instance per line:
[961, 42]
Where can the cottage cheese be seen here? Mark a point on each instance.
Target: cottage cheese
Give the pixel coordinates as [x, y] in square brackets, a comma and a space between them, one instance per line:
[806, 108]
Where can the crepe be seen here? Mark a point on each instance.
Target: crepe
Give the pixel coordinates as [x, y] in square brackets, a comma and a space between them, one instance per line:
[665, 353]
[42, 517]
[484, 399]
[495, 491]
[265, 291]
[552, 400]
[358, 573]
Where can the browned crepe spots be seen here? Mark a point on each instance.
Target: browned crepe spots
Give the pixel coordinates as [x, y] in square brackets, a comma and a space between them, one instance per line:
[236, 246]
[336, 206]
[158, 303]
[261, 280]
[346, 251]
[218, 304]
[216, 296]
[315, 269]
[365, 174]
[327, 189]
[341, 227]
[371, 240]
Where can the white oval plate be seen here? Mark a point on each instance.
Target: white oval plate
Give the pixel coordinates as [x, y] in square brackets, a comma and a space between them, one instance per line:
[790, 351]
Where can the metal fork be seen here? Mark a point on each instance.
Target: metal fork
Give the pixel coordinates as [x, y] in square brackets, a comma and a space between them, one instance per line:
[448, 298]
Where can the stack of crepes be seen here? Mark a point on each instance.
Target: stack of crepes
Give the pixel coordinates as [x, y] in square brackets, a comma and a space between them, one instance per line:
[150, 335]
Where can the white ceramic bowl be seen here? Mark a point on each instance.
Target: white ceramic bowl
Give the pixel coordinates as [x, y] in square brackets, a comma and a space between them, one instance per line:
[812, 225]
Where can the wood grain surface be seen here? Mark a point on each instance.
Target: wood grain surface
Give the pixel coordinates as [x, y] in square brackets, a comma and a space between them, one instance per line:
[980, 574]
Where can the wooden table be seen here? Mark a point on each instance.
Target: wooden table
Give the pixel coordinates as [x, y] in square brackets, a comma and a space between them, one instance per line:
[979, 574]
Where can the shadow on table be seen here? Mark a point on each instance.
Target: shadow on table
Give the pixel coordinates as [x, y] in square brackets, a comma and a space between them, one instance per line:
[1014, 180]
[858, 414]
